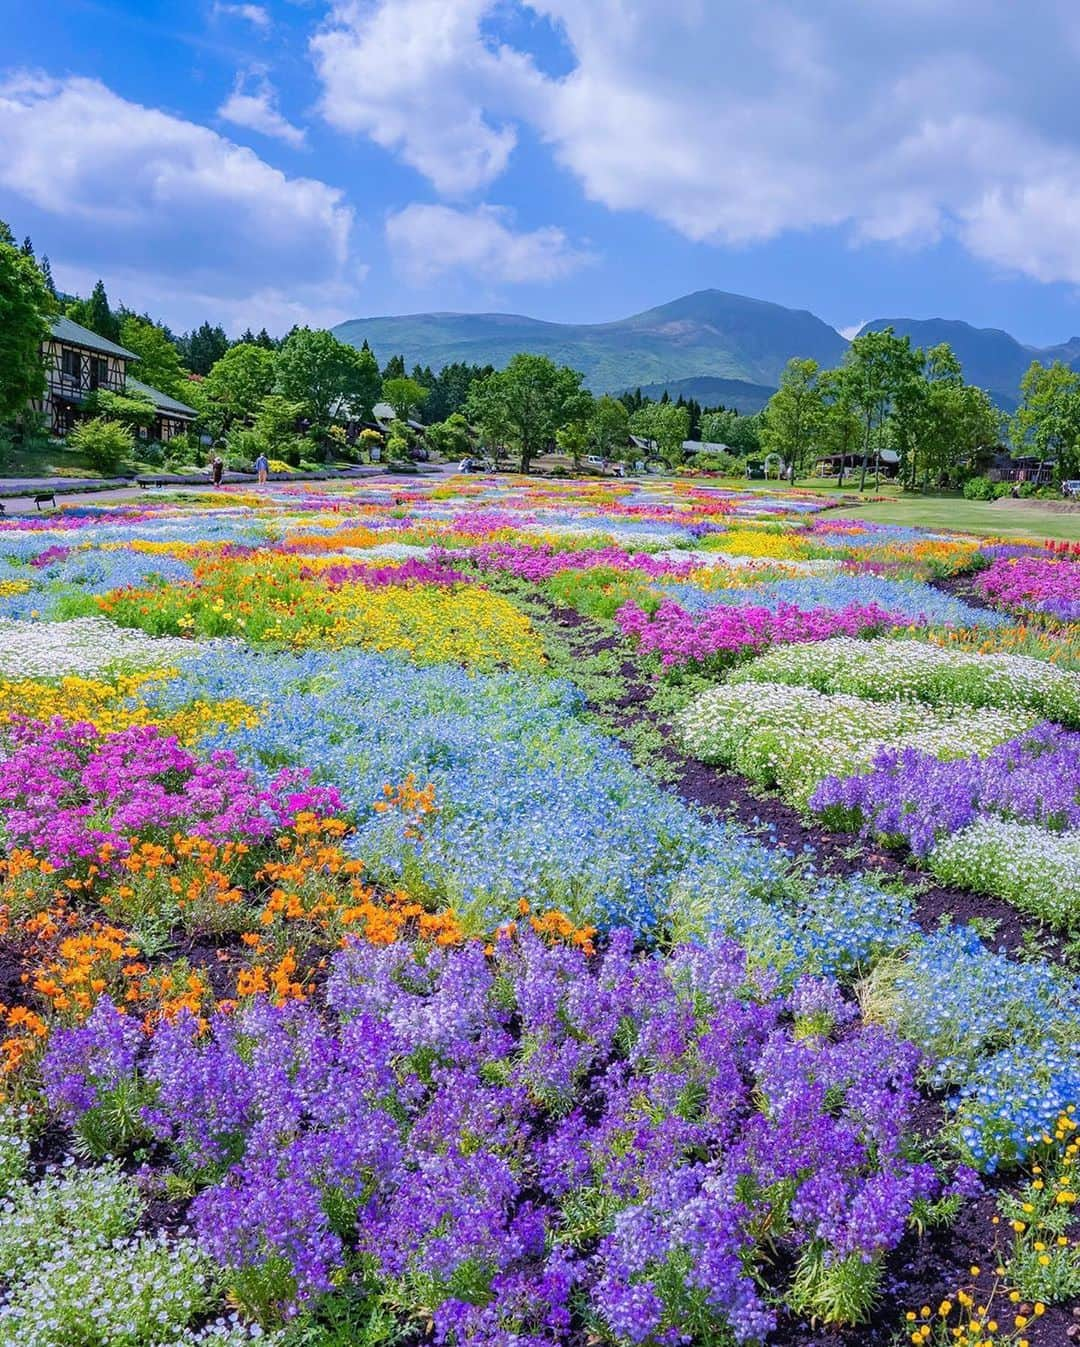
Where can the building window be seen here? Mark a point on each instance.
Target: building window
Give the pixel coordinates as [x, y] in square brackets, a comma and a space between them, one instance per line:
[69, 363]
[99, 371]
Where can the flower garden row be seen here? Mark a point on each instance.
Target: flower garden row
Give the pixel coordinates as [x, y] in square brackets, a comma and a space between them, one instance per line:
[379, 993]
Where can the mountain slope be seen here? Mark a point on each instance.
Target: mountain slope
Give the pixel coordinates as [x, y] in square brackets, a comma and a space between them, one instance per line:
[709, 334]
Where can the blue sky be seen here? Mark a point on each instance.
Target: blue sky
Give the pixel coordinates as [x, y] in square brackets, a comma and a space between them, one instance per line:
[579, 160]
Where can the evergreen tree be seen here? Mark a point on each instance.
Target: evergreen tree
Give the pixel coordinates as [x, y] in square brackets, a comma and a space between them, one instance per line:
[47, 276]
[27, 247]
[204, 347]
[395, 368]
[265, 340]
[96, 314]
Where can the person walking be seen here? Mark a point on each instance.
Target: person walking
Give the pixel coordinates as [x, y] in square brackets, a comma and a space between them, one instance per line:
[217, 470]
[262, 467]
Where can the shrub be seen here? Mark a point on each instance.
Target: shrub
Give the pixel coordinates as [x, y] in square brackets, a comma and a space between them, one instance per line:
[106, 444]
[978, 488]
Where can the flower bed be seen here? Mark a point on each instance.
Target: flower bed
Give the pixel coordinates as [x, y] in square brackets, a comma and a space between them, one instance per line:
[384, 996]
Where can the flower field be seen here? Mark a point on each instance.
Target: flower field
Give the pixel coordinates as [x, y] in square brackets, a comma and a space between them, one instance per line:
[515, 913]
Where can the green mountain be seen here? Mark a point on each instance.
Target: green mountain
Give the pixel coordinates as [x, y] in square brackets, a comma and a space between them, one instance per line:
[709, 334]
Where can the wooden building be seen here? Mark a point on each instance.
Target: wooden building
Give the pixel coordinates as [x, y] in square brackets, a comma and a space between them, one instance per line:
[79, 362]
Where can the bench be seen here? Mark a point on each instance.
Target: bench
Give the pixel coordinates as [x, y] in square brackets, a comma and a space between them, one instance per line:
[45, 498]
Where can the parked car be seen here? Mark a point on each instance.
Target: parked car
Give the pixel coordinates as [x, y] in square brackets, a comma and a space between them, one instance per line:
[1071, 489]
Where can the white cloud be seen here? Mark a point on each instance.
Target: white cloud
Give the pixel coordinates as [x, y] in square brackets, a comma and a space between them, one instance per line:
[257, 15]
[427, 241]
[258, 111]
[143, 194]
[413, 76]
[852, 330]
[737, 122]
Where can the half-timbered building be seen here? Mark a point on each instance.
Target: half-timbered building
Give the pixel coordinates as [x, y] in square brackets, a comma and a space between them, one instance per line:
[79, 362]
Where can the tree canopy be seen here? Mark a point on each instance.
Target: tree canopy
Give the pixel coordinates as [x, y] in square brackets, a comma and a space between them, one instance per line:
[26, 306]
[327, 377]
[524, 405]
[159, 360]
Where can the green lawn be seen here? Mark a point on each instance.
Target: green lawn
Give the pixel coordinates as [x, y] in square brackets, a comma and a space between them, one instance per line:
[1035, 519]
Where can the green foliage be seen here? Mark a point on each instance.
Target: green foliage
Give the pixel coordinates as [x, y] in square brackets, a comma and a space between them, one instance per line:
[609, 428]
[665, 424]
[406, 396]
[450, 438]
[979, 488]
[742, 434]
[25, 308]
[203, 347]
[159, 360]
[106, 444]
[327, 378]
[1044, 1262]
[129, 409]
[96, 313]
[1047, 422]
[234, 390]
[791, 423]
[834, 1291]
[524, 405]
[601, 591]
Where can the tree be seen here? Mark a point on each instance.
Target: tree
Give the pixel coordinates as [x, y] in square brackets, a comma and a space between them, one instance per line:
[1048, 418]
[524, 405]
[394, 368]
[667, 425]
[741, 434]
[841, 428]
[450, 389]
[793, 418]
[106, 444]
[609, 428]
[233, 391]
[96, 314]
[574, 436]
[203, 347]
[878, 369]
[450, 438]
[159, 361]
[276, 422]
[327, 377]
[47, 276]
[133, 410]
[25, 309]
[406, 396]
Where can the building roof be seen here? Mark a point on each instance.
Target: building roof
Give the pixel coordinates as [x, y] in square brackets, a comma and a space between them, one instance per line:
[65, 329]
[161, 401]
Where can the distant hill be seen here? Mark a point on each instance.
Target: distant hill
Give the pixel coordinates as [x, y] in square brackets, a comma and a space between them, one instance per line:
[991, 358]
[737, 393]
[709, 334]
[711, 345]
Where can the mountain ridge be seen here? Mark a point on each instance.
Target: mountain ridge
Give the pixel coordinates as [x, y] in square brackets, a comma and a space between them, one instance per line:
[709, 344]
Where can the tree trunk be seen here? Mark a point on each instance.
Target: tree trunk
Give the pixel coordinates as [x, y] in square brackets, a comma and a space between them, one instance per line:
[865, 457]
